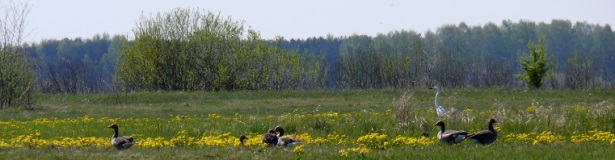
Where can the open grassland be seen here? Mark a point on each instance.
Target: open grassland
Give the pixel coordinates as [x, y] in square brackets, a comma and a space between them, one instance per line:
[353, 124]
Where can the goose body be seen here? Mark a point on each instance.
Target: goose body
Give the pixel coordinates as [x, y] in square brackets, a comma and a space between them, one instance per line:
[120, 142]
[450, 136]
[485, 137]
[270, 138]
[284, 140]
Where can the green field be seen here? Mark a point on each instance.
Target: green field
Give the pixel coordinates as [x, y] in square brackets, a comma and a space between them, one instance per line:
[348, 124]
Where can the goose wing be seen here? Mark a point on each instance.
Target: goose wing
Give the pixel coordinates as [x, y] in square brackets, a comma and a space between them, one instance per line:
[286, 140]
[483, 137]
[455, 133]
[480, 133]
[453, 136]
[122, 142]
[270, 138]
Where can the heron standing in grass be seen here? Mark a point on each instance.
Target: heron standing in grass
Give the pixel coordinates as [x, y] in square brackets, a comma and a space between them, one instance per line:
[439, 109]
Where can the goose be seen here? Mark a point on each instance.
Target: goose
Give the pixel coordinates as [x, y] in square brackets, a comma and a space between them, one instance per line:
[118, 142]
[485, 137]
[270, 138]
[451, 136]
[284, 140]
[242, 138]
[439, 109]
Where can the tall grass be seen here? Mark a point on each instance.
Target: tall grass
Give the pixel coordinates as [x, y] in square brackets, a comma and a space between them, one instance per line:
[545, 115]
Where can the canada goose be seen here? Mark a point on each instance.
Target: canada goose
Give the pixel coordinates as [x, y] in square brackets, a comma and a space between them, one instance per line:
[284, 140]
[270, 138]
[451, 136]
[439, 109]
[242, 138]
[120, 143]
[485, 137]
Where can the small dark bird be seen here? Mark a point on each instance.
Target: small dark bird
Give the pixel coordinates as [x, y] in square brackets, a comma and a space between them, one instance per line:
[451, 136]
[242, 138]
[284, 140]
[485, 137]
[118, 142]
[424, 129]
[270, 138]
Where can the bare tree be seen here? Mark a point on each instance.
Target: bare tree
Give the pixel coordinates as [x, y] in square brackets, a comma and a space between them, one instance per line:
[15, 73]
[578, 72]
[498, 73]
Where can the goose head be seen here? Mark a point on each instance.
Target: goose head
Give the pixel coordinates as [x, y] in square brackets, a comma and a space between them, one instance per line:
[439, 123]
[492, 121]
[242, 138]
[114, 126]
[115, 130]
[271, 131]
[280, 130]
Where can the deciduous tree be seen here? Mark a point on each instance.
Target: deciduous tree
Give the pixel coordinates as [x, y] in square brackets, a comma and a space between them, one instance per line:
[535, 65]
[15, 72]
[190, 49]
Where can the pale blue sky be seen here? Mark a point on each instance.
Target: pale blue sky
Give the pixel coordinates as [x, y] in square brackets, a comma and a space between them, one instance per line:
[58, 19]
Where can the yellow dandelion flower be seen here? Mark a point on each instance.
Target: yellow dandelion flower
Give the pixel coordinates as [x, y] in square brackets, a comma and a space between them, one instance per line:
[547, 137]
[468, 110]
[305, 138]
[298, 149]
[531, 109]
[213, 116]
[359, 150]
[373, 140]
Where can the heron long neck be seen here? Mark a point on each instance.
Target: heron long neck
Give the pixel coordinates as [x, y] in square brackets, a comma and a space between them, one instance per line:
[437, 94]
[115, 132]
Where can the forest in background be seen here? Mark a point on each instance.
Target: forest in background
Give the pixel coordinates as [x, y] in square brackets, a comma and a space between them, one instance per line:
[583, 56]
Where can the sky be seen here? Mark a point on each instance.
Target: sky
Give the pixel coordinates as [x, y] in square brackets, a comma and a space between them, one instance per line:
[57, 19]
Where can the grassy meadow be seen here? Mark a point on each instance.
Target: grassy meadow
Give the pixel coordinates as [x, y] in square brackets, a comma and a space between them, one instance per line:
[347, 124]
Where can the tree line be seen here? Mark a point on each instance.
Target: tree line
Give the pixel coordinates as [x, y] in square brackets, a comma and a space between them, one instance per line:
[582, 56]
[75, 65]
[185, 49]
[198, 50]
